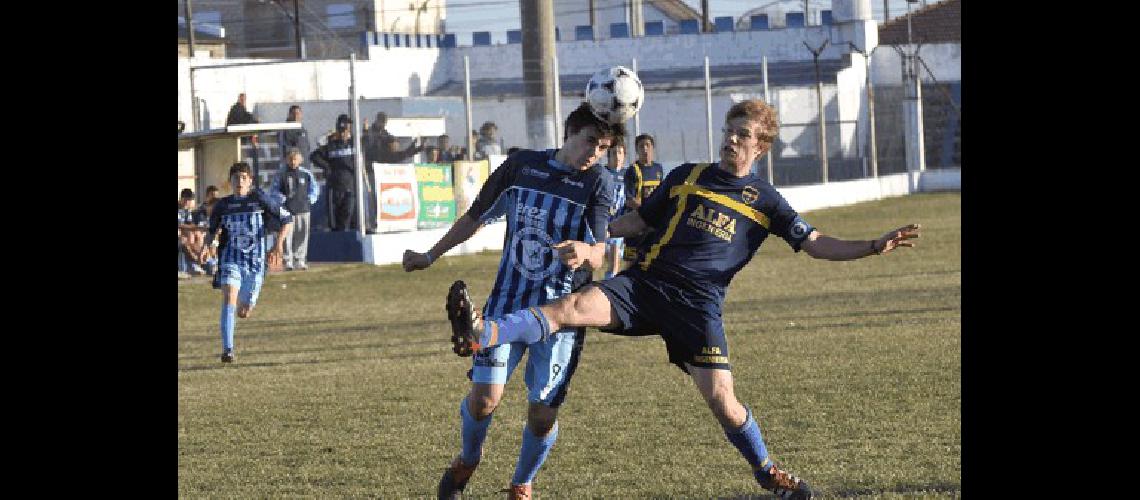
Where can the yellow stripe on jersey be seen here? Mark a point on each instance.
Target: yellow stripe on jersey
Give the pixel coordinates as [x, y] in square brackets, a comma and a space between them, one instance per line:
[653, 252]
[745, 210]
[637, 172]
[652, 183]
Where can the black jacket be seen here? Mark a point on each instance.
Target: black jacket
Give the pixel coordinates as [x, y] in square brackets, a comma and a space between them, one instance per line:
[338, 160]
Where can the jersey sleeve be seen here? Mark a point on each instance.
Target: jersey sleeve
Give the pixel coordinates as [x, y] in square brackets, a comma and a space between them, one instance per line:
[654, 208]
[489, 205]
[273, 208]
[785, 222]
[598, 211]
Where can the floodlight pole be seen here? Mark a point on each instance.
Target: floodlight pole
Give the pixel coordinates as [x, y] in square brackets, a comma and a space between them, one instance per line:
[822, 116]
[768, 101]
[357, 156]
[870, 110]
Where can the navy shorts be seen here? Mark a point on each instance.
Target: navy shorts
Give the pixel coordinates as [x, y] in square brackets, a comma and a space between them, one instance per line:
[690, 323]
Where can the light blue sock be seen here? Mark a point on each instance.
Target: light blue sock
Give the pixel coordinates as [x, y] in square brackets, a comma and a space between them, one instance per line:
[227, 320]
[533, 454]
[750, 443]
[474, 432]
[525, 325]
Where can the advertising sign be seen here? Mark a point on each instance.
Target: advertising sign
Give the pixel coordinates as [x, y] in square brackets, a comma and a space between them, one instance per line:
[469, 178]
[396, 198]
[436, 195]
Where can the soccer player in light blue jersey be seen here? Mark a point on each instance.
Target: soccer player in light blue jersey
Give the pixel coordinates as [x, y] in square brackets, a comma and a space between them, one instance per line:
[615, 165]
[710, 219]
[557, 203]
[241, 219]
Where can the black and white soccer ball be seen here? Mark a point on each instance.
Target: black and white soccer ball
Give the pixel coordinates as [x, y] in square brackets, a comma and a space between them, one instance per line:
[615, 94]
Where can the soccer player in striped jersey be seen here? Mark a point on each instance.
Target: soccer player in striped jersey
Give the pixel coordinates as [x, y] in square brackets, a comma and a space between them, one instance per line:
[557, 203]
[711, 219]
[641, 179]
[615, 163]
[241, 220]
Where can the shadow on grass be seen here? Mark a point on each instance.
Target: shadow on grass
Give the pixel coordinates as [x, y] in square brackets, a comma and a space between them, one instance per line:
[902, 489]
[218, 365]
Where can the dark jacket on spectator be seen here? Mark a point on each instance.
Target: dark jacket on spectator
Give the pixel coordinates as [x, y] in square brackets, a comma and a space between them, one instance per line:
[297, 138]
[337, 158]
[239, 115]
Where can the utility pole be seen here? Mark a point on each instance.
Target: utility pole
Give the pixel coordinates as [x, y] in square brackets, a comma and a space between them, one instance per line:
[537, 53]
[704, 16]
[190, 66]
[822, 116]
[297, 30]
[806, 16]
[592, 20]
[190, 29]
[912, 104]
[886, 10]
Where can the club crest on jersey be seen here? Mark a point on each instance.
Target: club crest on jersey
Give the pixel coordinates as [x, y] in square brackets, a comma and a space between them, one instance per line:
[243, 239]
[532, 254]
[749, 195]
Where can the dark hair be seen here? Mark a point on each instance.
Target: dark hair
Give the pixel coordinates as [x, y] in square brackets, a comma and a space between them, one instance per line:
[211, 188]
[186, 193]
[644, 137]
[289, 114]
[513, 150]
[582, 117]
[239, 167]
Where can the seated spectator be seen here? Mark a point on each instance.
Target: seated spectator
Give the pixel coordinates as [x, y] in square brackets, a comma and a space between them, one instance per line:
[446, 152]
[393, 153]
[202, 219]
[189, 237]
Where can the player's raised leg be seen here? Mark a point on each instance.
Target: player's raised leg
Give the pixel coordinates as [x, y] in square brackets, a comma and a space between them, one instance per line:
[742, 430]
[588, 307]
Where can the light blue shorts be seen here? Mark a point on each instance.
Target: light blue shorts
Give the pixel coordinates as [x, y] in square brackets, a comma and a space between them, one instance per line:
[248, 281]
[549, 367]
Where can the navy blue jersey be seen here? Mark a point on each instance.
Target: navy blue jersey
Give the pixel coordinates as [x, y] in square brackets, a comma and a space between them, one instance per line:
[642, 180]
[545, 202]
[243, 222]
[710, 223]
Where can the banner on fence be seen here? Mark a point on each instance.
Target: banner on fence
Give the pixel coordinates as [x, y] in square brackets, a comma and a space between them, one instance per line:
[436, 195]
[396, 198]
[469, 178]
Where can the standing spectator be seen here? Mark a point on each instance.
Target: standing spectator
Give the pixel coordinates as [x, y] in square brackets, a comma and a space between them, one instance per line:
[338, 159]
[641, 179]
[488, 143]
[446, 155]
[299, 190]
[615, 166]
[296, 138]
[239, 114]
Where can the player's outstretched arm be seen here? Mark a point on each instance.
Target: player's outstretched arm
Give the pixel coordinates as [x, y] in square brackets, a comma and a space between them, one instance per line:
[463, 229]
[821, 246]
[630, 224]
[576, 254]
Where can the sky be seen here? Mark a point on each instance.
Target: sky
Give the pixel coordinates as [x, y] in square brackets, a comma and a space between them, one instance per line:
[465, 16]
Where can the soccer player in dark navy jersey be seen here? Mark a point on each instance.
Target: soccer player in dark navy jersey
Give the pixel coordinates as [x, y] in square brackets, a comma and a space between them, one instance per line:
[641, 179]
[241, 220]
[557, 205]
[710, 219]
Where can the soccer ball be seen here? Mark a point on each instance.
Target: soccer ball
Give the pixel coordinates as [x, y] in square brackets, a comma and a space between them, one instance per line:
[615, 94]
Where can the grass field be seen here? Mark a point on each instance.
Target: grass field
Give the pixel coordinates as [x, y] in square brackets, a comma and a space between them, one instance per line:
[345, 384]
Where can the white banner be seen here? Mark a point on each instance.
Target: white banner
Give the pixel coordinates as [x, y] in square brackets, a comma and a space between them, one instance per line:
[396, 197]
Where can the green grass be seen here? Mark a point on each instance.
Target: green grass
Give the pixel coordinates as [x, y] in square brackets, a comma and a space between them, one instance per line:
[345, 384]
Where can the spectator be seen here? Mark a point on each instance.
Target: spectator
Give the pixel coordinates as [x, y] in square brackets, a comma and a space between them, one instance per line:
[189, 238]
[297, 189]
[295, 138]
[239, 115]
[446, 153]
[393, 154]
[488, 143]
[338, 159]
[202, 219]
